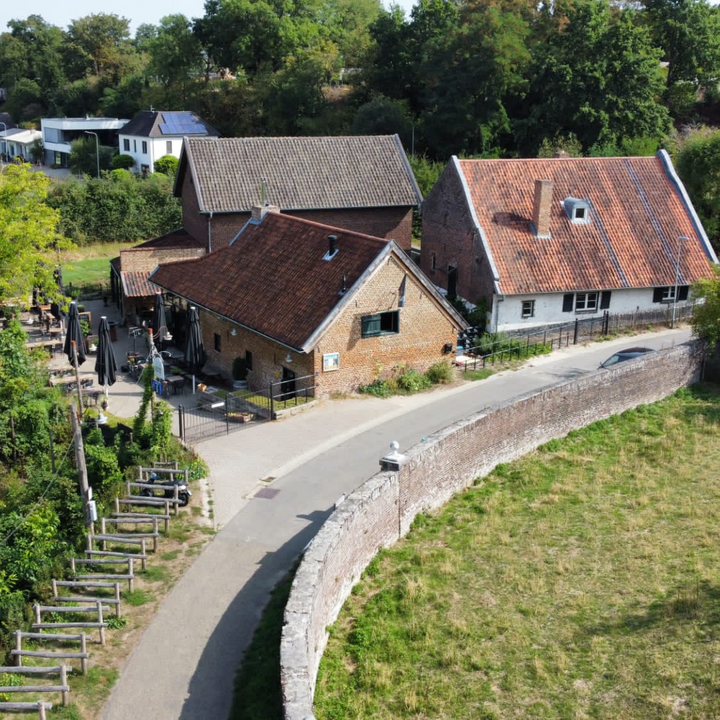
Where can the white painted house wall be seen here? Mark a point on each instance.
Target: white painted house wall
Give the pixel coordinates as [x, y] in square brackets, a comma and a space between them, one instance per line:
[506, 313]
[155, 149]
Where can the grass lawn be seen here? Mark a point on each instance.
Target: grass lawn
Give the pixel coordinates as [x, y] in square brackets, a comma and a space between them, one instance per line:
[89, 265]
[582, 581]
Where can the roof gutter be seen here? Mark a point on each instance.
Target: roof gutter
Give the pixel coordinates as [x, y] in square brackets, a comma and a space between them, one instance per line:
[476, 222]
[209, 232]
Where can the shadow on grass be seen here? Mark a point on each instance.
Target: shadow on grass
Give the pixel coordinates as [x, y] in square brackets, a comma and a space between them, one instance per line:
[691, 602]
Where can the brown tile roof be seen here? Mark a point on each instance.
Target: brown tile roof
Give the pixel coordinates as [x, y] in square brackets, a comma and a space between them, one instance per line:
[301, 173]
[136, 284]
[637, 215]
[179, 238]
[273, 278]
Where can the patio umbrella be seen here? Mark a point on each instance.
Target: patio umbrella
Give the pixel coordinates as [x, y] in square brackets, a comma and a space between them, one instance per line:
[194, 350]
[105, 364]
[159, 323]
[74, 332]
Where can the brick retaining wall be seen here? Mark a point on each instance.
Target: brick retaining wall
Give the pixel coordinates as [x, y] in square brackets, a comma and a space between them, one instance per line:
[382, 509]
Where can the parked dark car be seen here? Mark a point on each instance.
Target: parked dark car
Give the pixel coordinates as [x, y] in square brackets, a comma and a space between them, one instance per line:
[627, 354]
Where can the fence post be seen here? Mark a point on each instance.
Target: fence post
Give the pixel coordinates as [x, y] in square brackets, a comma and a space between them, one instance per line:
[606, 318]
[272, 403]
[575, 336]
[227, 414]
[181, 423]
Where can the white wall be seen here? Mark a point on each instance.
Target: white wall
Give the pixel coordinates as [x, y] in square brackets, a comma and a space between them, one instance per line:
[156, 148]
[507, 312]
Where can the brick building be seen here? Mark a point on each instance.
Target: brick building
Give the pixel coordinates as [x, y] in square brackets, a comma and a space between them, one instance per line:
[360, 183]
[544, 241]
[299, 299]
[131, 290]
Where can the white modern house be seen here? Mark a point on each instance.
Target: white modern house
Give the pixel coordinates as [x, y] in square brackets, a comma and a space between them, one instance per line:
[152, 134]
[548, 240]
[18, 143]
[59, 133]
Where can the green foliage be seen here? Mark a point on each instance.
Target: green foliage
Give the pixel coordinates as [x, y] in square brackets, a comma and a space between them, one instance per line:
[706, 315]
[161, 426]
[84, 157]
[439, 373]
[412, 381]
[123, 162]
[141, 433]
[197, 469]
[29, 240]
[104, 473]
[698, 164]
[378, 388]
[122, 207]
[167, 165]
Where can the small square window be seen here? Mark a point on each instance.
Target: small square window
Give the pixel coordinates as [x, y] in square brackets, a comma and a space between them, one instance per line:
[248, 360]
[217, 342]
[528, 308]
[580, 213]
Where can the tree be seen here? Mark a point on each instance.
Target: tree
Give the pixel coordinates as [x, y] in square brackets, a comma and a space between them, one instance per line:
[598, 78]
[688, 31]
[84, 159]
[28, 234]
[384, 116]
[175, 53]
[167, 165]
[102, 39]
[706, 315]
[698, 164]
[123, 162]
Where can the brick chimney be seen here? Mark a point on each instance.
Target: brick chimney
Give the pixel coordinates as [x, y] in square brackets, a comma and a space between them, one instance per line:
[541, 207]
[260, 211]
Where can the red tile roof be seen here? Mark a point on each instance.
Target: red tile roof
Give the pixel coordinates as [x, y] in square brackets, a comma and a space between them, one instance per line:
[179, 238]
[637, 215]
[136, 284]
[273, 278]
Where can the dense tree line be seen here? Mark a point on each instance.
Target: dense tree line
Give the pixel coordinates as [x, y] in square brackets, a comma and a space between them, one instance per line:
[476, 77]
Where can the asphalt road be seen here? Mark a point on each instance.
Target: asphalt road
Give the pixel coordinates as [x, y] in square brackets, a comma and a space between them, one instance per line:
[185, 663]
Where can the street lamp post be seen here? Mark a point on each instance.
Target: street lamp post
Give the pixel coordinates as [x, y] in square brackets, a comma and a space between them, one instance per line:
[4, 145]
[97, 150]
[681, 240]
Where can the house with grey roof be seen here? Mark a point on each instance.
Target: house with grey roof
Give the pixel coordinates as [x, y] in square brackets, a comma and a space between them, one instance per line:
[152, 134]
[363, 183]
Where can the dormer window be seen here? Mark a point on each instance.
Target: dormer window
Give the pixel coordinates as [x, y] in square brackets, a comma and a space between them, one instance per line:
[578, 211]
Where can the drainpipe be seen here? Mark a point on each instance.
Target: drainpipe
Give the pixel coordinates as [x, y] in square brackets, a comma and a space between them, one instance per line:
[209, 240]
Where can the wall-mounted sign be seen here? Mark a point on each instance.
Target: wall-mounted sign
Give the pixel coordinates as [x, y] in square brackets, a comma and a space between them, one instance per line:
[331, 361]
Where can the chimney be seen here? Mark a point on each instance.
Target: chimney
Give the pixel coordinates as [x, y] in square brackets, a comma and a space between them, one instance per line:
[260, 211]
[332, 245]
[542, 207]
[561, 154]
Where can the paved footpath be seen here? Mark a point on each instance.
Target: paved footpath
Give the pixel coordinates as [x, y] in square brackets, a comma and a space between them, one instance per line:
[185, 663]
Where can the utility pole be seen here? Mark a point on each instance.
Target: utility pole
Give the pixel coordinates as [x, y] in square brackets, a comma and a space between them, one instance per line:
[80, 462]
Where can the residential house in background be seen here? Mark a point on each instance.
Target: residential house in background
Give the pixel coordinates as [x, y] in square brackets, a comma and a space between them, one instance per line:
[152, 134]
[59, 133]
[362, 183]
[298, 299]
[18, 143]
[130, 288]
[544, 241]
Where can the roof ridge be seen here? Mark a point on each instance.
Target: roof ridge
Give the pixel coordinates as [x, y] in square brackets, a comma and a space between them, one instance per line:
[344, 231]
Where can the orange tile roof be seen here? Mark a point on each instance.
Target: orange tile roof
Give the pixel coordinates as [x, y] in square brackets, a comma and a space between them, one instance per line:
[637, 215]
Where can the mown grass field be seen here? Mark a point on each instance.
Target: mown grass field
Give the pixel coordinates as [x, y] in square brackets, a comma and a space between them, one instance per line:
[582, 581]
[89, 265]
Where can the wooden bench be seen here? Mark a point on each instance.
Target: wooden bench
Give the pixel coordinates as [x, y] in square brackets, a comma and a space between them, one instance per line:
[116, 553]
[61, 670]
[40, 706]
[159, 516]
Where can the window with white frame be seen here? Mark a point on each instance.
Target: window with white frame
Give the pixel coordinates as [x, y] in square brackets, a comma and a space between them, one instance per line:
[528, 308]
[126, 145]
[168, 147]
[586, 302]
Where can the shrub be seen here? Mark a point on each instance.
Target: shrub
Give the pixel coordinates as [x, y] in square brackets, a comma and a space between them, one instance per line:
[378, 388]
[439, 373]
[123, 162]
[412, 381]
[167, 165]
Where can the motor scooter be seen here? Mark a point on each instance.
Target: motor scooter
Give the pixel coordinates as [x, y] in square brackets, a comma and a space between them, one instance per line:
[166, 488]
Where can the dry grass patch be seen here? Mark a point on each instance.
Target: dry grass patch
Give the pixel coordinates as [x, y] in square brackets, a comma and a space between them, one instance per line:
[582, 581]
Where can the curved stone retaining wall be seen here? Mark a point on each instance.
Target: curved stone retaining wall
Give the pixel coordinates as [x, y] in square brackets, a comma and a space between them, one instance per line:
[382, 509]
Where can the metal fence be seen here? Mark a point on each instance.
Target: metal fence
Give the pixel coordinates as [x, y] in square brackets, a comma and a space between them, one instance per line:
[542, 340]
[223, 412]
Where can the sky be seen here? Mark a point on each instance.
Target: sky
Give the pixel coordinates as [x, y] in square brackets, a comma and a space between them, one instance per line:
[137, 12]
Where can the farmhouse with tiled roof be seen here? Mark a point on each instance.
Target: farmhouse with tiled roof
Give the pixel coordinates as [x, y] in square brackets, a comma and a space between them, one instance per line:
[360, 183]
[298, 299]
[547, 240]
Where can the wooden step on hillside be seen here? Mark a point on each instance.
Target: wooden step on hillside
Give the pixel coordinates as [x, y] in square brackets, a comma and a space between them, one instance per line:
[88, 598]
[40, 706]
[130, 577]
[18, 653]
[124, 538]
[116, 553]
[60, 670]
[99, 623]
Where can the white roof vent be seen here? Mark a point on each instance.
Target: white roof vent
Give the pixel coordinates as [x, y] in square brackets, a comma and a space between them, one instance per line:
[577, 210]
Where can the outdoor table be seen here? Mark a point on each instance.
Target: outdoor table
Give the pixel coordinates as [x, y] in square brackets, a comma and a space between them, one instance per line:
[176, 383]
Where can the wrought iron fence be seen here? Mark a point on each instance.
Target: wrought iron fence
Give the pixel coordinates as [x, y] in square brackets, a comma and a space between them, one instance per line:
[222, 412]
[517, 346]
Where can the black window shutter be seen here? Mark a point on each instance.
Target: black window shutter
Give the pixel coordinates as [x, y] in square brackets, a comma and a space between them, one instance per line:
[605, 299]
[683, 292]
[658, 294]
[568, 301]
